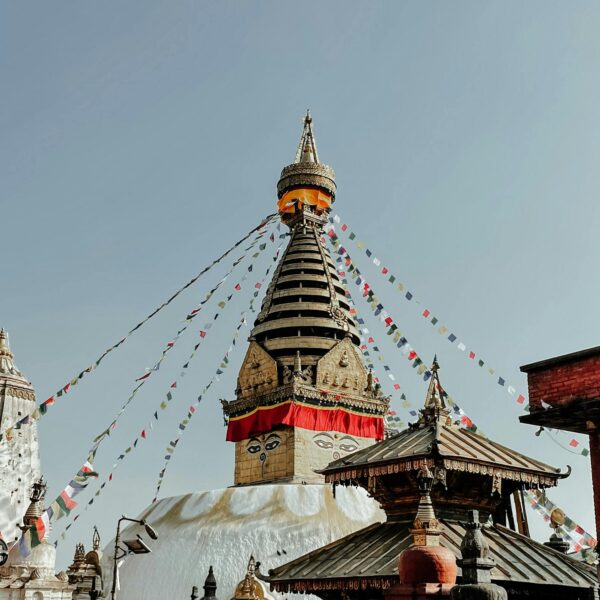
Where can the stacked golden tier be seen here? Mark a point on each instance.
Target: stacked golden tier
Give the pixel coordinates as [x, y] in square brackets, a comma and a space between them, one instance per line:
[305, 309]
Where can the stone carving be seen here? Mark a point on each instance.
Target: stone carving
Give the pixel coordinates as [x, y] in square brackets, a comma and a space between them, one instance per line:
[287, 375]
[342, 368]
[344, 360]
[306, 375]
[258, 373]
[339, 316]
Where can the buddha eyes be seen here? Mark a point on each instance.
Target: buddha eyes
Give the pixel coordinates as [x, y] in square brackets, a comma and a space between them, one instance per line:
[348, 447]
[271, 445]
[256, 445]
[324, 444]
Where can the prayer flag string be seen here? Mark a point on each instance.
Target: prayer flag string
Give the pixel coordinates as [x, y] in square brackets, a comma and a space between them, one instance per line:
[171, 344]
[170, 394]
[8, 433]
[448, 334]
[170, 449]
[586, 540]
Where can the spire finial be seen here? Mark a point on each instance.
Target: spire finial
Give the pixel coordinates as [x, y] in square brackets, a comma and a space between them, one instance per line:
[434, 400]
[307, 148]
[298, 364]
[4, 347]
[210, 584]
[96, 539]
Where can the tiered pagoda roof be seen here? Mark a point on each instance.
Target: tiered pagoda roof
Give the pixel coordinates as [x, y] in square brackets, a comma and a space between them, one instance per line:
[471, 473]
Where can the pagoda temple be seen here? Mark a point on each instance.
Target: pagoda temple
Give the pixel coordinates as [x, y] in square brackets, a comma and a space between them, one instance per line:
[303, 398]
[470, 473]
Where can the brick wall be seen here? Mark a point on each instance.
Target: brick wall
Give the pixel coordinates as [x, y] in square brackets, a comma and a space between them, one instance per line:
[562, 382]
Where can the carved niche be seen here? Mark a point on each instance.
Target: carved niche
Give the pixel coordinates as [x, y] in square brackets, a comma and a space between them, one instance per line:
[342, 369]
[258, 373]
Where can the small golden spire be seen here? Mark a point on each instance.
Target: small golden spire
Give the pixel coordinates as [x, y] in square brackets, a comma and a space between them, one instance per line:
[307, 148]
[435, 405]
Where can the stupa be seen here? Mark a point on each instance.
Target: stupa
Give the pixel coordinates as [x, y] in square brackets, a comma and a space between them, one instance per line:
[303, 399]
[19, 456]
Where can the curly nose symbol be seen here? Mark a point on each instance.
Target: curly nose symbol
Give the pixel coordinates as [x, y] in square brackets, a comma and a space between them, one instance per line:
[336, 455]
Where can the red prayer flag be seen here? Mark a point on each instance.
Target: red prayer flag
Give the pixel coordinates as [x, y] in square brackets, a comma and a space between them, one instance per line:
[426, 313]
[238, 287]
[574, 443]
[411, 355]
[384, 271]
[66, 388]
[521, 399]
[370, 341]
[174, 384]
[203, 334]
[344, 227]
[471, 355]
[396, 386]
[144, 434]
[388, 321]
[257, 286]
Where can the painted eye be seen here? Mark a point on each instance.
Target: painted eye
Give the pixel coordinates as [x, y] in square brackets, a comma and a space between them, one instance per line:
[348, 447]
[271, 445]
[254, 448]
[324, 444]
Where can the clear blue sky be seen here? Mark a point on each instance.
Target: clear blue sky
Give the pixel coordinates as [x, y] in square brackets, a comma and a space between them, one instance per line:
[139, 139]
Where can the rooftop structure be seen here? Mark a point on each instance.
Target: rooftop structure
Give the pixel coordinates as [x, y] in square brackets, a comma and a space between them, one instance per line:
[470, 472]
[564, 393]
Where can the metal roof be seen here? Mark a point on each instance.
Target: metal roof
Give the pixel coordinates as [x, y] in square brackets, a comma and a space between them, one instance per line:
[450, 442]
[371, 556]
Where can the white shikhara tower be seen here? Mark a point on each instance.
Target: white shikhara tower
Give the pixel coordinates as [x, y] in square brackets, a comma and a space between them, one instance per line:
[19, 456]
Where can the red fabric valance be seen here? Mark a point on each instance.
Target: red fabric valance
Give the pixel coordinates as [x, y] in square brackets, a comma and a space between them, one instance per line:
[316, 418]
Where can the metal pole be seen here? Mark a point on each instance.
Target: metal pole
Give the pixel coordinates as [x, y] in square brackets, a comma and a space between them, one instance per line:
[117, 542]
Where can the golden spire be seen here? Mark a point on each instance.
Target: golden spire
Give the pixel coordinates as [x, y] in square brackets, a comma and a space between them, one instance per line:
[307, 172]
[307, 148]
[434, 399]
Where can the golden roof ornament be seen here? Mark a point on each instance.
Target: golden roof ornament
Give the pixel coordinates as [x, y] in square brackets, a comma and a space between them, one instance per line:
[307, 185]
[251, 588]
[435, 406]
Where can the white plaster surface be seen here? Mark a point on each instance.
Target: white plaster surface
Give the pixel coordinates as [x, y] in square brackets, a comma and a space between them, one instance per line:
[224, 527]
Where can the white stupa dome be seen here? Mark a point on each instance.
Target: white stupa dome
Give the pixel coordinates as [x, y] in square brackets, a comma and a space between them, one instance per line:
[275, 523]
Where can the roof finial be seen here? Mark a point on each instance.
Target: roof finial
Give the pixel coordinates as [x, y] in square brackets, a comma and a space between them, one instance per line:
[4, 347]
[7, 365]
[298, 363]
[96, 539]
[307, 148]
[434, 400]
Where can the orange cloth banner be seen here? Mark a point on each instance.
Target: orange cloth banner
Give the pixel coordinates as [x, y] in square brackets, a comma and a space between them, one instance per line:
[293, 200]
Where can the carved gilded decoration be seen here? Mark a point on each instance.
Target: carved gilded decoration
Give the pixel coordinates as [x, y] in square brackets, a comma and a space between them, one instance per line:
[342, 369]
[258, 373]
